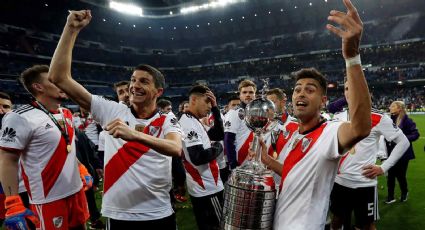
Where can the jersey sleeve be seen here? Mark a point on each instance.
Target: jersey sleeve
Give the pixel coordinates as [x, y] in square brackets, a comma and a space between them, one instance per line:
[171, 125]
[104, 111]
[387, 128]
[192, 136]
[16, 132]
[330, 144]
[232, 121]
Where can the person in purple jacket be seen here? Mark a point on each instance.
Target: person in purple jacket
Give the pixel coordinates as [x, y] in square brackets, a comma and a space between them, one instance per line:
[399, 170]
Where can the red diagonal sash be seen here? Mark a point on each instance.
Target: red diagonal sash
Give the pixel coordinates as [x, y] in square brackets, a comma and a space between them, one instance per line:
[54, 167]
[297, 153]
[127, 155]
[243, 151]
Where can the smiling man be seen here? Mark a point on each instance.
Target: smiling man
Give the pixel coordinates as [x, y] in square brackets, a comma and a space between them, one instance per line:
[310, 159]
[137, 176]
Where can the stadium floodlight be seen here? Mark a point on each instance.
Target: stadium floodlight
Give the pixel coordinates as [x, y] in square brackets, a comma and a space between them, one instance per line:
[126, 8]
[206, 6]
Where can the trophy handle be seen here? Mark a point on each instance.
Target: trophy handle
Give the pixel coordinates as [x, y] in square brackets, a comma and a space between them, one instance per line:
[256, 147]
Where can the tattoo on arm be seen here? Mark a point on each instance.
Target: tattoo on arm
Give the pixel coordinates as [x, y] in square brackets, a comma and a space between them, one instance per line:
[10, 191]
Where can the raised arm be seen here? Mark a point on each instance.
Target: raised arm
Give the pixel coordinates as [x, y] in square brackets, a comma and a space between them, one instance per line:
[359, 103]
[60, 67]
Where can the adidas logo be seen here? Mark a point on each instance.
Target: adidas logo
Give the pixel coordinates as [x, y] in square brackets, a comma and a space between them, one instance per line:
[9, 135]
[227, 124]
[48, 126]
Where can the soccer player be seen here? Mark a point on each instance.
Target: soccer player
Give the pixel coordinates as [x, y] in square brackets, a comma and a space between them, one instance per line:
[237, 136]
[357, 172]
[310, 159]
[137, 175]
[5, 106]
[232, 103]
[42, 136]
[164, 105]
[121, 89]
[202, 171]
[281, 134]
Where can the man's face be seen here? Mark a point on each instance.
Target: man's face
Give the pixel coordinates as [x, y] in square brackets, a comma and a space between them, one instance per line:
[185, 107]
[232, 104]
[122, 94]
[5, 105]
[247, 94]
[167, 109]
[307, 99]
[202, 105]
[280, 104]
[142, 88]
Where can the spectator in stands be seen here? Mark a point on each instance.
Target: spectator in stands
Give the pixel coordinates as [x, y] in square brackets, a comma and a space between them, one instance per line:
[121, 88]
[164, 105]
[399, 170]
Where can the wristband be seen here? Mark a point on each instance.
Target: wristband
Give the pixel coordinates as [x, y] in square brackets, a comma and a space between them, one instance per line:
[353, 61]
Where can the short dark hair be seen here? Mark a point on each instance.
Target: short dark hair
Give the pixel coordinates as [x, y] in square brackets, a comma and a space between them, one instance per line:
[247, 83]
[198, 89]
[313, 74]
[5, 96]
[32, 75]
[157, 76]
[162, 103]
[233, 97]
[121, 83]
[280, 94]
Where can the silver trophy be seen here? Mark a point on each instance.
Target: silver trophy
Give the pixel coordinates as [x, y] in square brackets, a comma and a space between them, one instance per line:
[249, 198]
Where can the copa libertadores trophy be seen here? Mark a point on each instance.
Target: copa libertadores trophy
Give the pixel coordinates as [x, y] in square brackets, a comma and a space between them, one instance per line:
[249, 197]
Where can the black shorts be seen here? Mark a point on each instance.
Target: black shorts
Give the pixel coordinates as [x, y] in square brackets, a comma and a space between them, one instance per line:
[166, 223]
[363, 201]
[208, 210]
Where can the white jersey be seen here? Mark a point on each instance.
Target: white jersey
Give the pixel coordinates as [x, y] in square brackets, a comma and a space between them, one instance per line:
[137, 179]
[310, 163]
[101, 146]
[202, 180]
[49, 172]
[234, 123]
[282, 133]
[364, 152]
[90, 129]
[221, 159]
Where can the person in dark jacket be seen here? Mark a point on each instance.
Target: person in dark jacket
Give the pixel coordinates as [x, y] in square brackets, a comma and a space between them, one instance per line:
[399, 170]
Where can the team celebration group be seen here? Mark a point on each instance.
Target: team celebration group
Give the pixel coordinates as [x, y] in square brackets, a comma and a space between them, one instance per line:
[324, 165]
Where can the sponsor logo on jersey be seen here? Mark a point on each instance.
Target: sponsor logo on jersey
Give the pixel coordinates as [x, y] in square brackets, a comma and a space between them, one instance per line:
[9, 135]
[227, 124]
[48, 126]
[57, 221]
[174, 121]
[192, 136]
